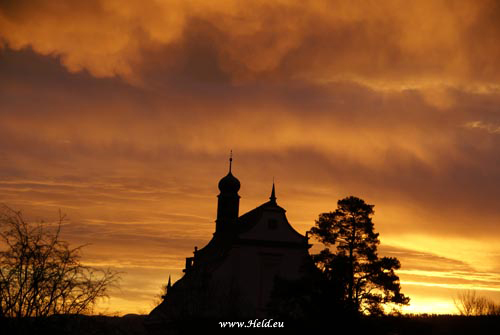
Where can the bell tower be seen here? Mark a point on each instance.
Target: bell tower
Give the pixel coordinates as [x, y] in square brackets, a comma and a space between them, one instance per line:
[228, 202]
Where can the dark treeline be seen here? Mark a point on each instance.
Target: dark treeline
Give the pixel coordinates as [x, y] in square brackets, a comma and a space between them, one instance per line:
[380, 325]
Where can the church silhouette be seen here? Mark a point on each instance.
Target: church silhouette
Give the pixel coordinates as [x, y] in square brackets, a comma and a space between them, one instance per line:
[233, 275]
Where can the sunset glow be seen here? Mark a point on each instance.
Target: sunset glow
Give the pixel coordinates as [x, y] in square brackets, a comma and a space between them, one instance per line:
[122, 115]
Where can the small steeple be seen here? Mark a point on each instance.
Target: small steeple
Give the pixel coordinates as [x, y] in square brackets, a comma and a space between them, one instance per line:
[169, 285]
[273, 194]
[230, 160]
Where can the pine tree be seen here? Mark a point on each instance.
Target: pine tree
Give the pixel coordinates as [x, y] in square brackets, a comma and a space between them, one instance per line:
[367, 282]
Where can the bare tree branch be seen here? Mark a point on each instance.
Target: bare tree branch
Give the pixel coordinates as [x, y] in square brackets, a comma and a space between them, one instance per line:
[468, 303]
[41, 275]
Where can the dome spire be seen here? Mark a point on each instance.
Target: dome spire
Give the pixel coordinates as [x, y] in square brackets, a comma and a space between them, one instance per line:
[229, 184]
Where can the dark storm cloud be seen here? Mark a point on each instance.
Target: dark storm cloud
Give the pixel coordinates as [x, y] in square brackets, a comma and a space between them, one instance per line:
[438, 157]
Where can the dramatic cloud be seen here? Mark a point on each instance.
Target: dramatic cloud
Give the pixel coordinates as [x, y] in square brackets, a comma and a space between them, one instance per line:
[385, 43]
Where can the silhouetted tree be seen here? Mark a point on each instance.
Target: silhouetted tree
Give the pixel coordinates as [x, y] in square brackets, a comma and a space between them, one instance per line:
[469, 303]
[41, 275]
[366, 281]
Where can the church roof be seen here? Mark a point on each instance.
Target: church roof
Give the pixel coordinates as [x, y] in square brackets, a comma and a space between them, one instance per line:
[249, 219]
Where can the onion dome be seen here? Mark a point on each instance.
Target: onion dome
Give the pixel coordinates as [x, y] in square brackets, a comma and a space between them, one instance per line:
[229, 183]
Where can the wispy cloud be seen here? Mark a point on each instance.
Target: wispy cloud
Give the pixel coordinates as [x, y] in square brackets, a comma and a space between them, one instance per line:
[488, 127]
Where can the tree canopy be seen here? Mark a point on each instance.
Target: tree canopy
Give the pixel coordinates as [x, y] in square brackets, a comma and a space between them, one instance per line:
[366, 282]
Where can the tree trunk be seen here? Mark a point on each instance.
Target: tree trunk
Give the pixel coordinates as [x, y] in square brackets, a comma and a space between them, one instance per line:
[351, 263]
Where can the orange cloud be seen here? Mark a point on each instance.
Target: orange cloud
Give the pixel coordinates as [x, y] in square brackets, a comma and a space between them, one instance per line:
[381, 43]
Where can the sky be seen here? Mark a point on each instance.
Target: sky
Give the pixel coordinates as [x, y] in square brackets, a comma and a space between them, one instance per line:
[122, 114]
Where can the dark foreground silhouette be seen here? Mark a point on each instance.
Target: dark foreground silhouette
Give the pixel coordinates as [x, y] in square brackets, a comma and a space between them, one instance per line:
[133, 325]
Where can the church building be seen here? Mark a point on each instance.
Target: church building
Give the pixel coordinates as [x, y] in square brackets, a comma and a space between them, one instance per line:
[234, 274]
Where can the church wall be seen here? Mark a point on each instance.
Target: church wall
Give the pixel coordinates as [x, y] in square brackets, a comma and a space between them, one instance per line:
[252, 270]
